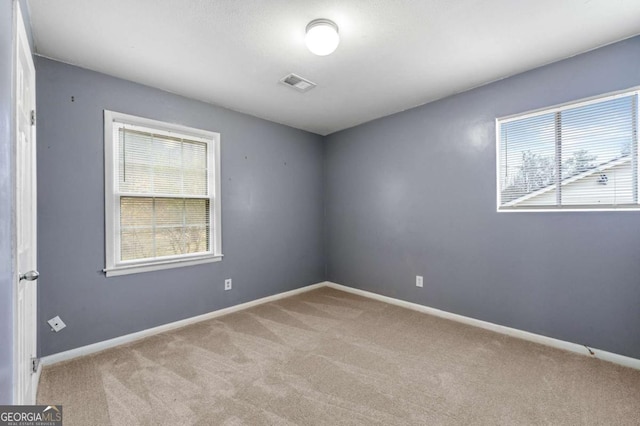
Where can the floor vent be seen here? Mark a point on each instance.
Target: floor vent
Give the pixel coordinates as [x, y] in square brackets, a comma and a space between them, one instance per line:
[296, 82]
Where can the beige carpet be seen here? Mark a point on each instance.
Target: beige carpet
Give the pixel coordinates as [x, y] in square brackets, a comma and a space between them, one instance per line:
[331, 358]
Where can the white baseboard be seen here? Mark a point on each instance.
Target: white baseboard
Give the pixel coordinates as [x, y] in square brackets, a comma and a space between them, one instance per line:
[525, 335]
[128, 338]
[514, 332]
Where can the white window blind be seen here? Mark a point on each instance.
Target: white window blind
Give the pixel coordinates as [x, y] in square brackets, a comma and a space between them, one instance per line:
[575, 157]
[162, 203]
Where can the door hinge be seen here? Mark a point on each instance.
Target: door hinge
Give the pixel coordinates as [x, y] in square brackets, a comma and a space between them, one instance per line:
[35, 362]
[33, 117]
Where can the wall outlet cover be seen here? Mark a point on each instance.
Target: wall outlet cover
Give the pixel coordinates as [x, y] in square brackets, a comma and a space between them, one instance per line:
[227, 284]
[56, 324]
[419, 281]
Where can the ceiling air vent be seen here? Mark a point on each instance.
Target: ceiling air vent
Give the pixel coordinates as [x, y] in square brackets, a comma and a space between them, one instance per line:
[297, 82]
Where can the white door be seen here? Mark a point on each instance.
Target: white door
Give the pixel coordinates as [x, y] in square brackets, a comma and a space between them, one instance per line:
[26, 293]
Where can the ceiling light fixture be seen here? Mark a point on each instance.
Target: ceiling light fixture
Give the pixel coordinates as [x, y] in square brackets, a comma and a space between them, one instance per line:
[322, 37]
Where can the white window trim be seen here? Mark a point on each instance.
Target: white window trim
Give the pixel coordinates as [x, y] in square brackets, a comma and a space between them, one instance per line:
[557, 108]
[112, 213]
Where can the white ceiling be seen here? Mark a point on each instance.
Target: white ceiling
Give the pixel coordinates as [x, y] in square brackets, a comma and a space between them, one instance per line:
[393, 55]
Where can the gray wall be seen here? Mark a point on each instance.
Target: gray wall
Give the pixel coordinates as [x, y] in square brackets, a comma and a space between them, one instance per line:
[415, 194]
[6, 202]
[272, 186]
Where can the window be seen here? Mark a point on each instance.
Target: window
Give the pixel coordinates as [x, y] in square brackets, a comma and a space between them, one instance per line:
[582, 156]
[162, 195]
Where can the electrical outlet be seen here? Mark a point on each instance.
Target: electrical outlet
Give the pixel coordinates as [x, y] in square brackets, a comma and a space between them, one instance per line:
[418, 280]
[56, 324]
[227, 284]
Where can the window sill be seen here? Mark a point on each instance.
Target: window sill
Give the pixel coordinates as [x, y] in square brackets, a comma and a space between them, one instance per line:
[157, 266]
[620, 208]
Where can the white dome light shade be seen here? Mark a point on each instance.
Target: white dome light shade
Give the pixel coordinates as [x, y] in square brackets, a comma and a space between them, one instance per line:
[322, 37]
